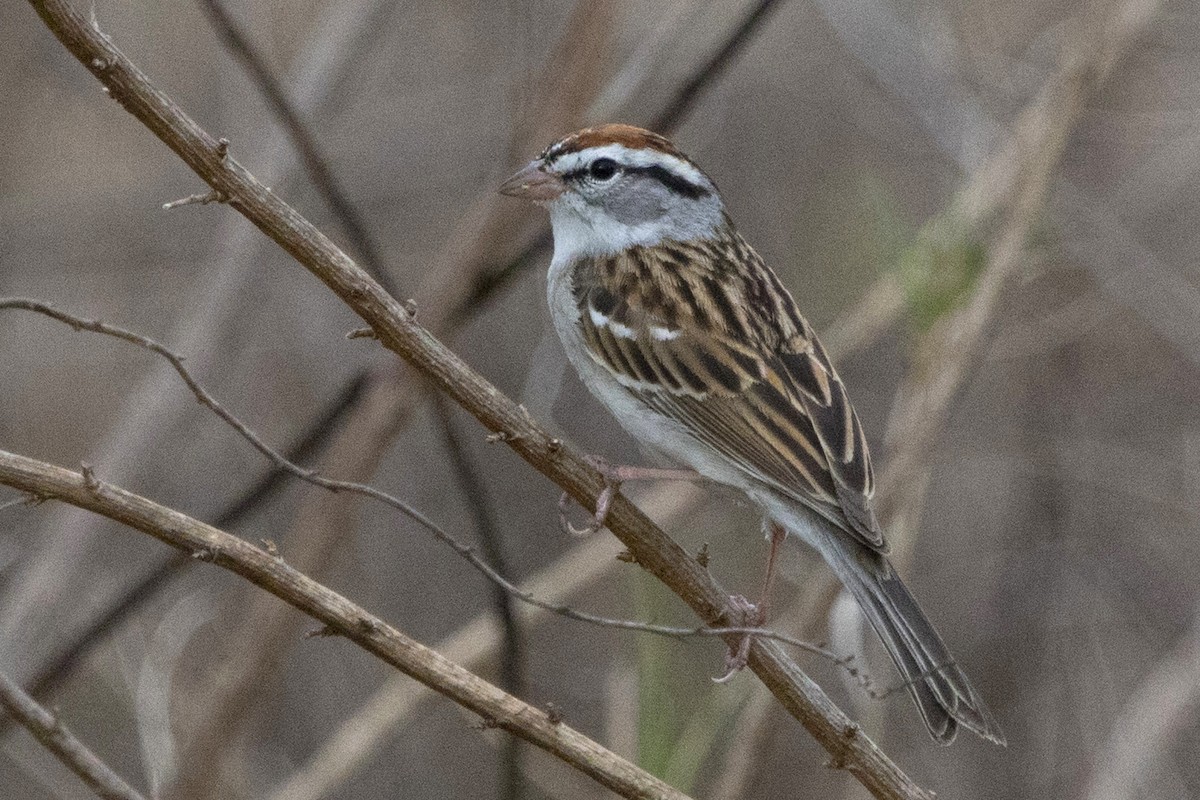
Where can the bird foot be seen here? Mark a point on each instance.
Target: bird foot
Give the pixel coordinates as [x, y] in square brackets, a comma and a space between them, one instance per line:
[749, 615]
[614, 475]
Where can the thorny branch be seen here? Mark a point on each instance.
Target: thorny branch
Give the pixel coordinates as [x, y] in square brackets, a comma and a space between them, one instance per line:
[397, 330]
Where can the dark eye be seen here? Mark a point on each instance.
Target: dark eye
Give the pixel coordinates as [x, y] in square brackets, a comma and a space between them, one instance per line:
[603, 169]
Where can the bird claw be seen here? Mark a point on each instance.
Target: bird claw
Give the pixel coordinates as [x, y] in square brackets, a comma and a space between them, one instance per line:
[612, 482]
[751, 615]
[736, 660]
[595, 524]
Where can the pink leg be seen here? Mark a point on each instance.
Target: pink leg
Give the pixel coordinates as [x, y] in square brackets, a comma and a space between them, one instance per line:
[778, 534]
[614, 476]
[754, 616]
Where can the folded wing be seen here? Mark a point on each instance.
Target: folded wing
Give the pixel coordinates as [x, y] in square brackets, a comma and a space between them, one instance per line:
[770, 405]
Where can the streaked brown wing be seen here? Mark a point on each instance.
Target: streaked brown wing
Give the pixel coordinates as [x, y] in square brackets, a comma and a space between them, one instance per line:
[835, 423]
[778, 412]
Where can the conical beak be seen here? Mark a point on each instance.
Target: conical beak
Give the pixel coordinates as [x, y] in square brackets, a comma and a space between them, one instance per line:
[533, 183]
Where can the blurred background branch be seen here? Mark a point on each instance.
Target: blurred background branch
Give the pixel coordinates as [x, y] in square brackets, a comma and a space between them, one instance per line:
[53, 735]
[1156, 713]
[958, 250]
[513, 669]
[316, 165]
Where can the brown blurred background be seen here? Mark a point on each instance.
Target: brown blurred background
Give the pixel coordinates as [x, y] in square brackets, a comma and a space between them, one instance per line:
[1057, 549]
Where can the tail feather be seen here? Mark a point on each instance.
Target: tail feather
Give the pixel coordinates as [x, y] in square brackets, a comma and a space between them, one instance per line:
[940, 689]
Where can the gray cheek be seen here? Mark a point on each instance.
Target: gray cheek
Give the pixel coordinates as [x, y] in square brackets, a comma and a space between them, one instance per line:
[632, 204]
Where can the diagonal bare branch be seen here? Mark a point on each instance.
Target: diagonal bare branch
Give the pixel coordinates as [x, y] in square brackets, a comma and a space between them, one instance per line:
[396, 328]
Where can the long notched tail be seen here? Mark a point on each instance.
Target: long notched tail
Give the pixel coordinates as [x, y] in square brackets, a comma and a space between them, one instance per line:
[944, 696]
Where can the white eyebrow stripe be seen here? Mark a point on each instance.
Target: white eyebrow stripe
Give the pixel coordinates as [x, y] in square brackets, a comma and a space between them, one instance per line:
[663, 334]
[633, 158]
[598, 319]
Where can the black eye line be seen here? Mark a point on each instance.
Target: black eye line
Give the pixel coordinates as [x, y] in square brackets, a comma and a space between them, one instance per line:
[585, 172]
[677, 184]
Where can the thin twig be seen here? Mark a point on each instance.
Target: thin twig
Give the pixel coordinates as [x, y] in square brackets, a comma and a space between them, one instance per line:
[208, 401]
[558, 460]
[195, 200]
[49, 730]
[271, 573]
[466, 551]
[315, 162]
[27, 500]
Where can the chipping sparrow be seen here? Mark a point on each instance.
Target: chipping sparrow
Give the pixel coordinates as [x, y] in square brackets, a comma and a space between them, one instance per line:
[679, 328]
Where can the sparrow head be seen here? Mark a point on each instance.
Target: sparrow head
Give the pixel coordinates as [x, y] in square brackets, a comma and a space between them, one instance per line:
[614, 186]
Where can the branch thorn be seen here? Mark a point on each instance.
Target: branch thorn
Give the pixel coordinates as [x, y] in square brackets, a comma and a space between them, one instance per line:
[197, 200]
[89, 477]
